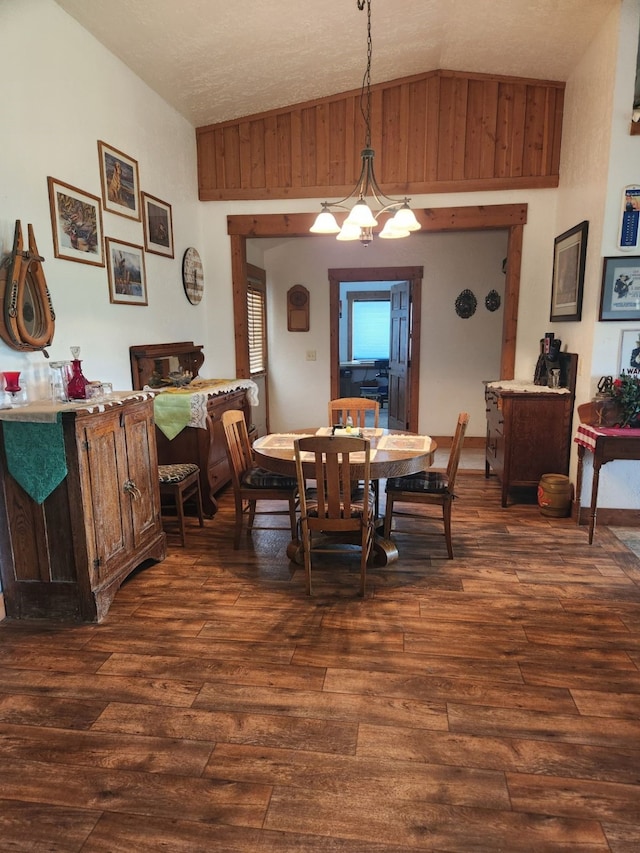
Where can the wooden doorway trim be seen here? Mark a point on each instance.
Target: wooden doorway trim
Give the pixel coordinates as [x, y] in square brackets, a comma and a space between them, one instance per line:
[512, 217]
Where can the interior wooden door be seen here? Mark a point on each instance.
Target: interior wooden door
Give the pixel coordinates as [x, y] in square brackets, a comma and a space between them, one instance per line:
[400, 356]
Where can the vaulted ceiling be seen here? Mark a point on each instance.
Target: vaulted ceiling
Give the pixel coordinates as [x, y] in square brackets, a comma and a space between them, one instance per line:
[215, 60]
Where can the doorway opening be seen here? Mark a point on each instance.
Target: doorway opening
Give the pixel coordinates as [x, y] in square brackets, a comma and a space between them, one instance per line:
[403, 371]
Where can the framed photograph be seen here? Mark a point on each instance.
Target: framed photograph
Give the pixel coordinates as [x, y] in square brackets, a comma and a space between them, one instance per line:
[76, 220]
[158, 226]
[620, 295]
[127, 277]
[569, 255]
[629, 361]
[120, 182]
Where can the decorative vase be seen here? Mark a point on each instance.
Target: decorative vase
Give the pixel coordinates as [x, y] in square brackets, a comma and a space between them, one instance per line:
[12, 381]
[77, 387]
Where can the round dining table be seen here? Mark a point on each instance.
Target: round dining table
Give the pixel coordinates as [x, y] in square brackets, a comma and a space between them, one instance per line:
[394, 453]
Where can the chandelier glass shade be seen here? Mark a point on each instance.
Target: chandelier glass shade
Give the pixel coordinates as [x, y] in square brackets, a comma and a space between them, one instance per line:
[362, 217]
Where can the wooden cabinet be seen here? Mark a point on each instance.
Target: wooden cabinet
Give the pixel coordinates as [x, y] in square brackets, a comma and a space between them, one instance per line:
[207, 448]
[66, 557]
[528, 435]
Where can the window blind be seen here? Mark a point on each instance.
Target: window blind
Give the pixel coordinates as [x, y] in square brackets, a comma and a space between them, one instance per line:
[256, 315]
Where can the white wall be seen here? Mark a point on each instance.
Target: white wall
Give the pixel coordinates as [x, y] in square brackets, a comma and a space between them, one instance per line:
[457, 354]
[600, 158]
[61, 92]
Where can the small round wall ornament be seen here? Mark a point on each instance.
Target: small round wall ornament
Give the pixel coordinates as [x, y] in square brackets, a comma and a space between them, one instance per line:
[192, 275]
[466, 304]
[492, 300]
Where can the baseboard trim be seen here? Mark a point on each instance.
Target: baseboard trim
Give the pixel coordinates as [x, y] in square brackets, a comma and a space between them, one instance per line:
[471, 442]
[609, 516]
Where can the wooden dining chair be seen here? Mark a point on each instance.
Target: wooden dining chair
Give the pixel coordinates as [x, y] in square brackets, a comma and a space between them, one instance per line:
[434, 488]
[354, 407]
[335, 507]
[252, 483]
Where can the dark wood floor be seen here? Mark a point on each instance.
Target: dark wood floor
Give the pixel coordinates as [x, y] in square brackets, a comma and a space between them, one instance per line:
[489, 703]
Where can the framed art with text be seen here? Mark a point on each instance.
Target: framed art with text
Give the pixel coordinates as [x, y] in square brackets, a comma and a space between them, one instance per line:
[120, 182]
[629, 361]
[620, 294]
[127, 277]
[76, 220]
[569, 255]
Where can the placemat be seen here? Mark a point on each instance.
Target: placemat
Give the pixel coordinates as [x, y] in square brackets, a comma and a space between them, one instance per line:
[412, 443]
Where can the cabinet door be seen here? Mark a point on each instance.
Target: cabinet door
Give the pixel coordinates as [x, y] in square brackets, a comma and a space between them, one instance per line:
[106, 505]
[141, 485]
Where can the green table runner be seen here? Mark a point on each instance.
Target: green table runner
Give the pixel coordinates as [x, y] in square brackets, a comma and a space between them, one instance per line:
[172, 412]
[36, 456]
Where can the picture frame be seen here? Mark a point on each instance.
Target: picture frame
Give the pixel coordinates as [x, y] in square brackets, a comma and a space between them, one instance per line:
[629, 358]
[569, 256]
[76, 222]
[158, 226]
[120, 182]
[620, 293]
[127, 275]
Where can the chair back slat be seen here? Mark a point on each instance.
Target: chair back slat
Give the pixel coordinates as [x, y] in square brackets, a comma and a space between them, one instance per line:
[456, 449]
[354, 407]
[333, 500]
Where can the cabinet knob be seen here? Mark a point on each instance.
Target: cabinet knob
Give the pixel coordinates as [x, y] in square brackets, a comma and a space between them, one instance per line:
[131, 489]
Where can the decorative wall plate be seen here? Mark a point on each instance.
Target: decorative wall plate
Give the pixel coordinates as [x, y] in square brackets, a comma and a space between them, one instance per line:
[466, 304]
[192, 275]
[492, 300]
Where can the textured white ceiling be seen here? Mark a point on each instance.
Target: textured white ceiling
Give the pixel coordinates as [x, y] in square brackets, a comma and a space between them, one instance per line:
[215, 60]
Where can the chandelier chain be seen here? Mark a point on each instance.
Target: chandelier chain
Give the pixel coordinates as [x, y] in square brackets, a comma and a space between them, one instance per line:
[361, 219]
[365, 91]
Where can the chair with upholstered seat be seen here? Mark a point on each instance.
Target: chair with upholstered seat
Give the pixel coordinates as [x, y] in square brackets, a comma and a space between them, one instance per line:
[252, 483]
[338, 505]
[180, 483]
[433, 488]
[354, 407]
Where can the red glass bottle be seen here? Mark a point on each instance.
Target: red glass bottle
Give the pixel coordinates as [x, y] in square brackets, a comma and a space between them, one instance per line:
[77, 387]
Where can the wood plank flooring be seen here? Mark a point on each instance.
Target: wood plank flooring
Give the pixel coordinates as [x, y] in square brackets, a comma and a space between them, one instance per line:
[487, 703]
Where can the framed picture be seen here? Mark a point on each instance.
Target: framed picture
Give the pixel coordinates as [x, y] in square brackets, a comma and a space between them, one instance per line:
[158, 226]
[76, 220]
[620, 295]
[120, 182]
[629, 361]
[127, 277]
[569, 255]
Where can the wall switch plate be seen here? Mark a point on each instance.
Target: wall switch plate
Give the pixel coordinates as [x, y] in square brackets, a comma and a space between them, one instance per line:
[311, 355]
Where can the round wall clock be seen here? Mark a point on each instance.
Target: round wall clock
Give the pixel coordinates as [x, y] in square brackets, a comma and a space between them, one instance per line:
[192, 276]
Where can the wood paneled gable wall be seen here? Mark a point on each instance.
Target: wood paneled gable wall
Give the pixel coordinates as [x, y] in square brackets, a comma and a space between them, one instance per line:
[442, 131]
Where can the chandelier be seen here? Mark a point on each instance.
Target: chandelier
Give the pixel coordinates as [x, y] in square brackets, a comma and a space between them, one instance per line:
[360, 222]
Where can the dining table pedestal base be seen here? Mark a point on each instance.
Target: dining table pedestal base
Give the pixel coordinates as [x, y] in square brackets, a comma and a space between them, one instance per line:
[383, 551]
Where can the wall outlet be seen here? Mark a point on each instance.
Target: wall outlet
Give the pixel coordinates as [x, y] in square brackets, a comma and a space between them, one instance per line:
[311, 355]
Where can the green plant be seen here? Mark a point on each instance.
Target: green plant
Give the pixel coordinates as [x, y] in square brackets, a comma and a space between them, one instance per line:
[626, 390]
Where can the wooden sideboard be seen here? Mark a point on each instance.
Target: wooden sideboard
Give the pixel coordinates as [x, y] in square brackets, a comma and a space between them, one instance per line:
[205, 447]
[529, 431]
[66, 557]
